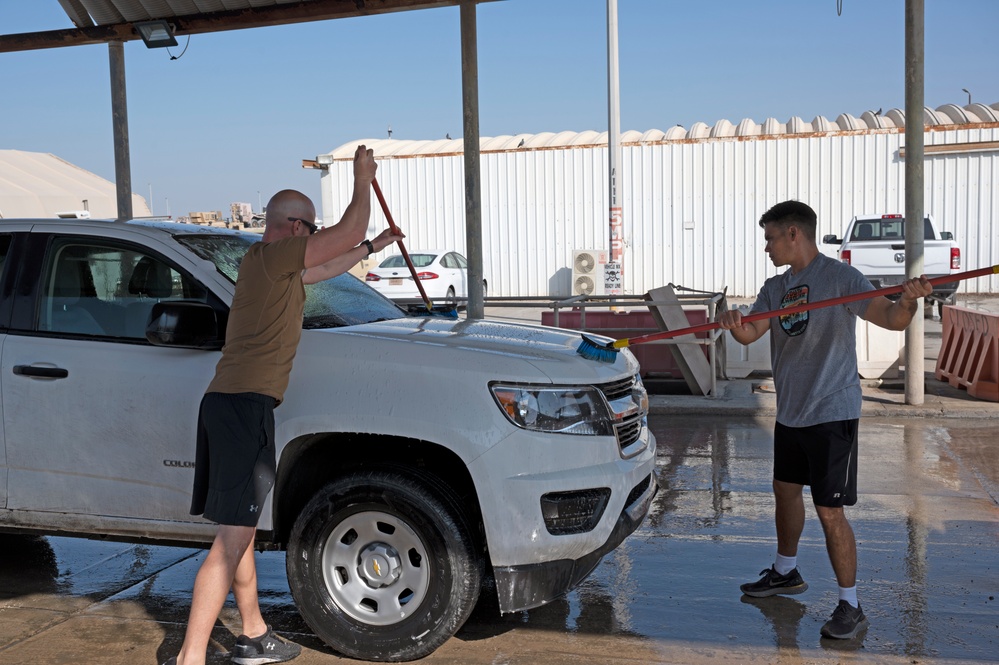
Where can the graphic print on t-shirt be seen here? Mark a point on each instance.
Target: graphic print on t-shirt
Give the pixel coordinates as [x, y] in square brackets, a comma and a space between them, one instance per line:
[794, 324]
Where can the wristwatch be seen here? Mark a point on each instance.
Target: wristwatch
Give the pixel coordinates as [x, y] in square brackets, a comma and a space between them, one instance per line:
[371, 248]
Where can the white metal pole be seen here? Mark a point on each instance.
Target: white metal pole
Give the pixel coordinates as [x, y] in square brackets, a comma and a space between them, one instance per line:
[473, 185]
[614, 269]
[119, 122]
[914, 182]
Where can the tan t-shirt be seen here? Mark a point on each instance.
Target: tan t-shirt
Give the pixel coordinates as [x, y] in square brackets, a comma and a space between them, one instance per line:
[265, 322]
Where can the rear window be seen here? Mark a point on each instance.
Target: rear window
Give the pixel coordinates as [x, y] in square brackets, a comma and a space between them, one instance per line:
[397, 261]
[889, 228]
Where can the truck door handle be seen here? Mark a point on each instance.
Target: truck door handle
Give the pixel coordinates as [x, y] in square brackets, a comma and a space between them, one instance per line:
[41, 372]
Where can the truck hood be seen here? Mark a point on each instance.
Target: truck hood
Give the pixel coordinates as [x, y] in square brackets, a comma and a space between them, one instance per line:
[499, 347]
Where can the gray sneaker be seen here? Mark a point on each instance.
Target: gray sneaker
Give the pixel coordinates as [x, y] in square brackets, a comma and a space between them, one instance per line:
[268, 648]
[773, 583]
[846, 622]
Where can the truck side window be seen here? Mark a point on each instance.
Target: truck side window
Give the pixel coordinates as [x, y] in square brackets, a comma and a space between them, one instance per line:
[928, 230]
[107, 291]
[4, 248]
[8, 286]
[69, 284]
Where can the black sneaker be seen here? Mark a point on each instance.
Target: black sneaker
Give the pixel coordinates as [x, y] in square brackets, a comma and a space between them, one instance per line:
[268, 648]
[771, 584]
[846, 622]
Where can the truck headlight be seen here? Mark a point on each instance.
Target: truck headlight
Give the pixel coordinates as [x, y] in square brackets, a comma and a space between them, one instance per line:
[564, 410]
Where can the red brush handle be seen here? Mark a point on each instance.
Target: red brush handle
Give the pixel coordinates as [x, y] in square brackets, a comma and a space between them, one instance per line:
[886, 291]
[405, 254]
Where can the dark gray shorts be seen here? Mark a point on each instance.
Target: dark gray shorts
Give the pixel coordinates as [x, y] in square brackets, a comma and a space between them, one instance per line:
[235, 459]
[823, 456]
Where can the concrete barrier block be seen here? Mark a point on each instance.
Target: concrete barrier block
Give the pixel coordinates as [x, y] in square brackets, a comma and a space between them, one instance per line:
[969, 352]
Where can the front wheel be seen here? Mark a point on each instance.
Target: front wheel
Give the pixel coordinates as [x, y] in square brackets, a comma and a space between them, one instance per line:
[383, 566]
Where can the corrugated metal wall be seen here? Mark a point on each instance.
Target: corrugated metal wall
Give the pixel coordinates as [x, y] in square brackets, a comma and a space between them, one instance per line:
[690, 207]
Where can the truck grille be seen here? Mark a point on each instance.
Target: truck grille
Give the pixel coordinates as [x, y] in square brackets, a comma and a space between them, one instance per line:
[629, 432]
[617, 389]
[629, 427]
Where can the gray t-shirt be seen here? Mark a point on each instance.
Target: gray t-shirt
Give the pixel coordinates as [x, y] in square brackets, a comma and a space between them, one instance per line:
[814, 353]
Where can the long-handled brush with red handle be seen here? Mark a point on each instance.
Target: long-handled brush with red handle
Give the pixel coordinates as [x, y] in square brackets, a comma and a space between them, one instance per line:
[402, 248]
[593, 350]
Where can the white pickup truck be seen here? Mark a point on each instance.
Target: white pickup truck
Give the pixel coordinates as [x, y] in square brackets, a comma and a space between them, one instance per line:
[416, 455]
[875, 245]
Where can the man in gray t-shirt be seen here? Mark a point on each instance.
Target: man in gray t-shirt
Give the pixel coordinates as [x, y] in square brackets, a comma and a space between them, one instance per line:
[814, 357]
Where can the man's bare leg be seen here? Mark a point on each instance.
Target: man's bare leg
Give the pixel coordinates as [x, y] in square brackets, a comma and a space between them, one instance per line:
[841, 544]
[244, 588]
[211, 587]
[789, 517]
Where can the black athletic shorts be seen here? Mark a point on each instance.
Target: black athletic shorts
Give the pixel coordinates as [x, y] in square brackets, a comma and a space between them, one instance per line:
[235, 463]
[822, 456]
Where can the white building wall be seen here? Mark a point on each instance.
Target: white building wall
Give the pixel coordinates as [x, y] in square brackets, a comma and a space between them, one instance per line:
[690, 206]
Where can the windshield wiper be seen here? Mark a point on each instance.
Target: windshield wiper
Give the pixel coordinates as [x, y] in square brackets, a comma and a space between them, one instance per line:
[323, 321]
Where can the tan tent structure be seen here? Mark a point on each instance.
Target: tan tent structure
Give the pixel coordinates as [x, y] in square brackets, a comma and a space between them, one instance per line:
[39, 184]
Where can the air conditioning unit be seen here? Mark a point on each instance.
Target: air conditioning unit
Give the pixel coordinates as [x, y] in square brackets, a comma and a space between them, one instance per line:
[588, 272]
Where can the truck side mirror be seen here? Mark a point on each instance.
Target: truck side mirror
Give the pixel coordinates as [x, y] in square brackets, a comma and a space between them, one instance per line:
[946, 235]
[184, 324]
[831, 240]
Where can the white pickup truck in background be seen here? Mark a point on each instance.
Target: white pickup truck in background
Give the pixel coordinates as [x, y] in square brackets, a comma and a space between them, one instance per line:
[875, 245]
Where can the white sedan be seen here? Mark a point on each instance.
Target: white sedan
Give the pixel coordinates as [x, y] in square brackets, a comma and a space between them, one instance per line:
[443, 274]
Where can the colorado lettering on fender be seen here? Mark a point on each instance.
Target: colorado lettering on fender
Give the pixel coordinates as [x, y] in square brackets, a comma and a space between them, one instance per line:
[178, 463]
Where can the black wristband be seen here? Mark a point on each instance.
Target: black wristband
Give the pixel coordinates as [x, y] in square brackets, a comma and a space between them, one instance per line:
[371, 248]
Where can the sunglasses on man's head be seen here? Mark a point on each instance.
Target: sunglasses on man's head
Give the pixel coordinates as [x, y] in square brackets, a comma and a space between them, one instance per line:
[309, 225]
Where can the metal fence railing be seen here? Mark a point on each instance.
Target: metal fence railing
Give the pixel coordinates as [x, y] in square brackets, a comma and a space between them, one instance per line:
[709, 301]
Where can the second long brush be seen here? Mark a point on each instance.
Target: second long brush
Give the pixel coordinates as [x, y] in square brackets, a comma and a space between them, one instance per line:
[402, 247]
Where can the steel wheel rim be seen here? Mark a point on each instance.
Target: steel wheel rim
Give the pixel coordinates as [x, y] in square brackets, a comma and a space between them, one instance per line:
[375, 567]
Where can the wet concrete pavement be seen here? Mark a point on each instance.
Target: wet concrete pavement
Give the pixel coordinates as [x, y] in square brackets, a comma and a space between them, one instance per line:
[927, 527]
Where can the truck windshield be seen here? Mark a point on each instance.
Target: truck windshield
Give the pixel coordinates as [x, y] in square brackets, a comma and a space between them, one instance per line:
[888, 228]
[341, 301]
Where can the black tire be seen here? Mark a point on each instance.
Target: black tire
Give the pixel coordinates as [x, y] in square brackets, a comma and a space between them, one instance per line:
[383, 566]
[451, 299]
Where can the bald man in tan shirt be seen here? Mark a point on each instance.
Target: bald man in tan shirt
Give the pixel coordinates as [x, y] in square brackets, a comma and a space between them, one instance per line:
[236, 463]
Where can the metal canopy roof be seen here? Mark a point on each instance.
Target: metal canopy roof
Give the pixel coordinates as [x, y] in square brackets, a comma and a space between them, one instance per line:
[112, 22]
[102, 21]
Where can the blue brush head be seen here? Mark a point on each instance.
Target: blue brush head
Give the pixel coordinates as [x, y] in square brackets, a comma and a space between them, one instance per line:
[592, 350]
[439, 311]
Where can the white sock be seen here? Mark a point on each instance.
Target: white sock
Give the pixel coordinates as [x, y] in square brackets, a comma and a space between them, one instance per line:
[785, 564]
[849, 594]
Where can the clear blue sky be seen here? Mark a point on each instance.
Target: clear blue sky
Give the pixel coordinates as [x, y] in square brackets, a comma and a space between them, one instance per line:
[237, 113]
